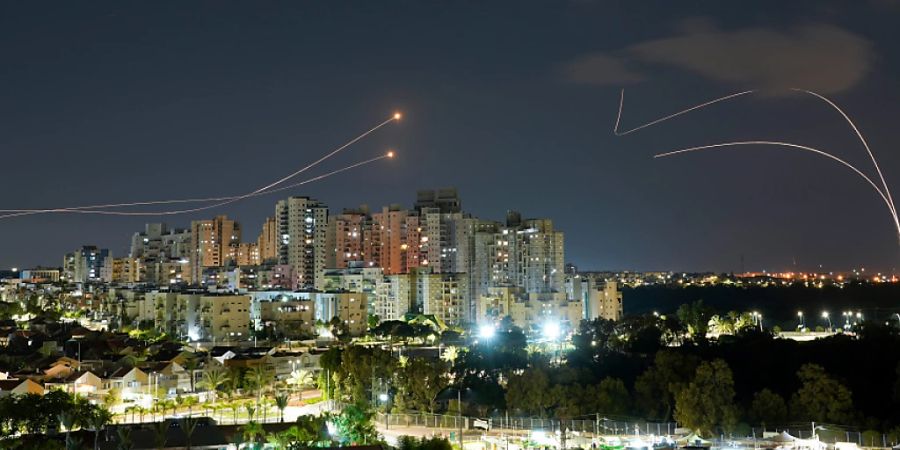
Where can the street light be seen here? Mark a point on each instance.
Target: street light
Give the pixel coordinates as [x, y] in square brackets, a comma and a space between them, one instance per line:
[826, 317]
[800, 316]
[551, 330]
[486, 331]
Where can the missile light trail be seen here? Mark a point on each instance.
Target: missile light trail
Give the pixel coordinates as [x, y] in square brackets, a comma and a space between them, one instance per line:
[224, 200]
[102, 209]
[883, 190]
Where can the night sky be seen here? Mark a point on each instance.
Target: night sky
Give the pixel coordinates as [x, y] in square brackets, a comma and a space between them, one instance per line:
[511, 102]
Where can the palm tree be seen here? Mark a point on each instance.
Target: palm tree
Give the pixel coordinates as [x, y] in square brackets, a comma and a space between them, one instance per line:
[190, 402]
[281, 401]
[160, 434]
[191, 364]
[261, 375]
[188, 425]
[252, 431]
[68, 420]
[98, 421]
[235, 407]
[300, 379]
[250, 410]
[213, 379]
[124, 438]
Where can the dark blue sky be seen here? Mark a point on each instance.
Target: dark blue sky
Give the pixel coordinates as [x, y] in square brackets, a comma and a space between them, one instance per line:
[511, 102]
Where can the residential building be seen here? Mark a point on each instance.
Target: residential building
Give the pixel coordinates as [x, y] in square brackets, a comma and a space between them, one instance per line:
[394, 297]
[445, 200]
[356, 278]
[211, 243]
[162, 254]
[346, 236]
[290, 314]
[40, 275]
[12, 386]
[533, 311]
[125, 270]
[88, 264]
[212, 317]
[350, 308]
[245, 254]
[268, 241]
[302, 228]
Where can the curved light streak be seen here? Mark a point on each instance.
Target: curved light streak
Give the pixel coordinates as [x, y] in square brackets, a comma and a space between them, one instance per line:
[670, 116]
[862, 139]
[185, 211]
[224, 200]
[788, 145]
[883, 190]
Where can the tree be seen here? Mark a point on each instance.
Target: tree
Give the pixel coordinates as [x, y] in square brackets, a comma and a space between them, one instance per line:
[372, 321]
[300, 379]
[123, 435]
[611, 396]
[160, 434]
[252, 431]
[359, 367]
[707, 403]
[655, 389]
[424, 443]
[191, 364]
[354, 426]
[213, 379]
[821, 398]
[281, 401]
[97, 422]
[529, 391]
[312, 429]
[113, 397]
[261, 376]
[188, 426]
[768, 408]
[420, 381]
[694, 318]
[68, 420]
[569, 404]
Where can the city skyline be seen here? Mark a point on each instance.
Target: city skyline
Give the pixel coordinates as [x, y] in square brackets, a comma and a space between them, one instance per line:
[150, 104]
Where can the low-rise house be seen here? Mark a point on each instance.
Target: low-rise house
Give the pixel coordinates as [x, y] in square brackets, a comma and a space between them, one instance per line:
[20, 387]
[171, 377]
[61, 368]
[286, 363]
[131, 382]
[223, 353]
[85, 383]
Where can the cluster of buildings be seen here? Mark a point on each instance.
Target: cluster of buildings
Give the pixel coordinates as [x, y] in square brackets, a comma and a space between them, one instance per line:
[93, 364]
[309, 264]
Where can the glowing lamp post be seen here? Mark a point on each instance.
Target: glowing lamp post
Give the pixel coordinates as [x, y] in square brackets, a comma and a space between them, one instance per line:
[486, 332]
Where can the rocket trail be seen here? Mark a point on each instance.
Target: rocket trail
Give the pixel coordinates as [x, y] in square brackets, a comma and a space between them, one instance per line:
[670, 116]
[724, 145]
[224, 200]
[185, 211]
[883, 190]
[862, 139]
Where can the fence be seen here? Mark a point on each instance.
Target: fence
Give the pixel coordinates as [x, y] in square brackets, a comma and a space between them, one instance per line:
[595, 426]
[450, 422]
